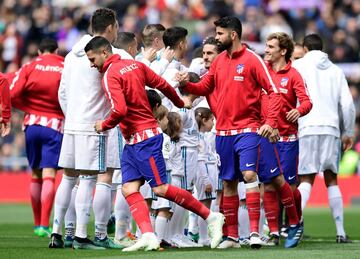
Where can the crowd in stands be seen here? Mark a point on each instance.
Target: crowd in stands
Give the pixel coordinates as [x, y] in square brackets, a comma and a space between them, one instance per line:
[23, 23]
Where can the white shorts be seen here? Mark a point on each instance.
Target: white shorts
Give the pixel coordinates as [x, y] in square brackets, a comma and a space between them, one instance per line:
[146, 192]
[189, 158]
[242, 191]
[84, 152]
[199, 185]
[113, 148]
[117, 179]
[318, 153]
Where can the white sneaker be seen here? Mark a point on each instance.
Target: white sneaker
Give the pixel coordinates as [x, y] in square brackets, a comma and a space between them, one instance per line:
[215, 222]
[178, 241]
[228, 243]
[255, 241]
[244, 241]
[190, 242]
[147, 242]
[125, 242]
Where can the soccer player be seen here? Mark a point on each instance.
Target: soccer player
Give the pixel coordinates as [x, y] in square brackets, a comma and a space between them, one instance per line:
[5, 108]
[128, 42]
[319, 131]
[236, 78]
[298, 52]
[154, 54]
[142, 159]
[279, 161]
[94, 156]
[34, 90]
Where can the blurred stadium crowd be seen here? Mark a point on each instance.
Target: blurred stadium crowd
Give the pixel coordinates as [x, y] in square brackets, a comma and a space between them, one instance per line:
[23, 23]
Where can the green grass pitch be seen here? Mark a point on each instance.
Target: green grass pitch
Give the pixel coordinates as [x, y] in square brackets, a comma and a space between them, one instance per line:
[17, 241]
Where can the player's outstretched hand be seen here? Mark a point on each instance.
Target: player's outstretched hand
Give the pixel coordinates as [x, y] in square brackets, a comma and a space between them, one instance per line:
[98, 127]
[168, 54]
[347, 142]
[265, 131]
[187, 102]
[4, 128]
[149, 54]
[293, 115]
[182, 78]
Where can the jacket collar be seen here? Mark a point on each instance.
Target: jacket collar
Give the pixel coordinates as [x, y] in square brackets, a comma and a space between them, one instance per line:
[112, 59]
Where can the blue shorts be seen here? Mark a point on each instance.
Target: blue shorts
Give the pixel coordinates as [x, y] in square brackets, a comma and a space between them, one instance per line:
[144, 160]
[269, 161]
[289, 159]
[43, 146]
[237, 153]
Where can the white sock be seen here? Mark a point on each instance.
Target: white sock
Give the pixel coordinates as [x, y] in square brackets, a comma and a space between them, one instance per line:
[122, 215]
[61, 202]
[177, 221]
[152, 219]
[102, 209]
[305, 190]
[214, 206]
[161, 226]
[244, 222]
[193, 223]
[261, 221]
[337, 210]
[70, 216]
[83, 202]
[203, 232]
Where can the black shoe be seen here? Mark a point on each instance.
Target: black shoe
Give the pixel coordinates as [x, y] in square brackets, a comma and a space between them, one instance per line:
[343, 239]
[85, 243]
[56, 241]
[165, 244]
[273, 240]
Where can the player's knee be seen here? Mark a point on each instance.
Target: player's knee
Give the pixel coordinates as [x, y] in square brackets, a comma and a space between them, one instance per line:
[250, 176]
[105, 178]
[160, 190]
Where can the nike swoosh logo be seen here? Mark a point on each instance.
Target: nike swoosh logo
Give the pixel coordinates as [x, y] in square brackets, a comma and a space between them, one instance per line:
[248, 165]
[273, 170]
[291, 177]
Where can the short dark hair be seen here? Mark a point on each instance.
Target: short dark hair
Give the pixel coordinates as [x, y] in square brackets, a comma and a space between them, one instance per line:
[230, 22]
[313, 42]
[96, 43]
[124, 39]
[101, 19]
[48, 45]
[172, 36]
[211, 41]
[154, 98]
[150, 32]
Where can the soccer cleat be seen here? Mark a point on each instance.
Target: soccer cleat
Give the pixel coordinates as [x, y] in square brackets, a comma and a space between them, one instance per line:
[255, 241]
[215, 224]
[165, 244]
[244, 241]
[124, 242]
[229, 243]
[111, 225]
[44, 232]
[193, 237]
[56, 241]
[85, 243]
[294, 236]
[147, 242]
[36, 231]
[273, 240]
[107, 243]
[182, 241]
[284, 232]
[343, 240]
[68, 241]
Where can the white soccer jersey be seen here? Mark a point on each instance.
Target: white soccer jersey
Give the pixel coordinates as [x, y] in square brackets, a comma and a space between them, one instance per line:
[212, 156]
[81, 96]
[189, 136]
[166, 150]
[159, 65]
[175, 161]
